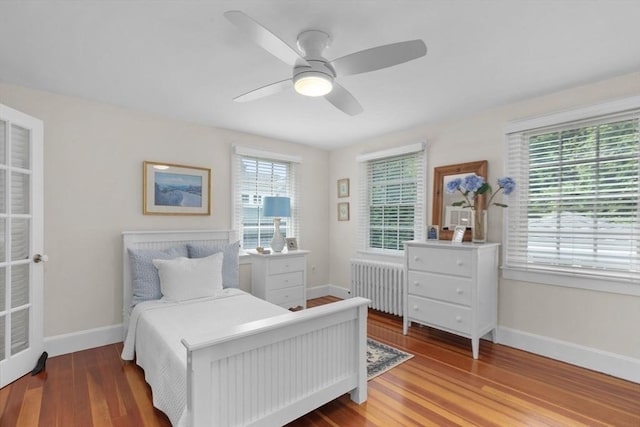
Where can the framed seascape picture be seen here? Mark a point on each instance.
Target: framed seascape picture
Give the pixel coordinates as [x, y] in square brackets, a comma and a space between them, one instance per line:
[343, 187]
[343, 211]
[170, 189]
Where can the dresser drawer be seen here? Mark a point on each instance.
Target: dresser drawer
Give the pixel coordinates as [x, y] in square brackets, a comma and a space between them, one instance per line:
[440, 260]
[285, 265]
[285, 280]
[440, 314]
[287, 297]
[441, 287]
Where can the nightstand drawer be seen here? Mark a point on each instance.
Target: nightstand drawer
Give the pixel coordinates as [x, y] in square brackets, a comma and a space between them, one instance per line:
[440, 260]
[286, 280]
[287, 297]
[285, 265]
[440, 314]
[441, 287]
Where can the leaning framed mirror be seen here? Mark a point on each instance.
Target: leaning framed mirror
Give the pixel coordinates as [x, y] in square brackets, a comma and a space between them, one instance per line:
[444, 214]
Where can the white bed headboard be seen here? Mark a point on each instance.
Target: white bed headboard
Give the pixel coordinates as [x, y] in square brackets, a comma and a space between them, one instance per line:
[161, 240]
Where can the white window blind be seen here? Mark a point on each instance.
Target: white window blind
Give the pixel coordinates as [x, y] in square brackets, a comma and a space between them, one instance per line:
[253, 179]
[576, 208]
[392, 204]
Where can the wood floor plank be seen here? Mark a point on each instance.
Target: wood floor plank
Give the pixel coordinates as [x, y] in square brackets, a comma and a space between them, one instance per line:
[442, 385]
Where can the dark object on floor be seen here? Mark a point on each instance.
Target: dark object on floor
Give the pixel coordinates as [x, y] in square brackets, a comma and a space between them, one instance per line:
[40, 365]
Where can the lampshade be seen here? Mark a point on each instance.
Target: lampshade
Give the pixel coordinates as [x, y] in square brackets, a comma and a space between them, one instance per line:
[276, 206]
[312, 83]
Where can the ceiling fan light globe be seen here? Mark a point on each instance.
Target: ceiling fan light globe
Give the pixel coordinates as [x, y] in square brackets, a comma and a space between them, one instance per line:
[313, 84]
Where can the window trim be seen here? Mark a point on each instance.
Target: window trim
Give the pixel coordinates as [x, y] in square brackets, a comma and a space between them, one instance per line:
[550, 276]
[240, 152]
[363, 217]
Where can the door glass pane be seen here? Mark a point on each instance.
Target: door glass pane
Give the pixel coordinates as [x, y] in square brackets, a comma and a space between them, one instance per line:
[19, 239]
[3, 184]
[19, 285]
[3, 128]
[19, 331]
[3, 294]
[19, 147]
[2, 324]
[19, 193]
[3, 253]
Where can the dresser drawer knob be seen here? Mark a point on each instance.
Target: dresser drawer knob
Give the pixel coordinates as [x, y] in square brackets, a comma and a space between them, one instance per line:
[416, 259]
[459, 291]
[415, 307]
[459, 262]
[458, 319]
[416, 283]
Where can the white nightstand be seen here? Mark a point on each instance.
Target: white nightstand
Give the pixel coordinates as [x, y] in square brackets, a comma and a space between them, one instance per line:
[280, 278]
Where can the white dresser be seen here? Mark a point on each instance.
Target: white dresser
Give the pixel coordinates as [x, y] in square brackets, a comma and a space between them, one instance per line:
[452, 287]
[280, 278]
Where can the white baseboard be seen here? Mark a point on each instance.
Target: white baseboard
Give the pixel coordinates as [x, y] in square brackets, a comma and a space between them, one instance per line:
[77, 341]
[328, 290]
[613, 364]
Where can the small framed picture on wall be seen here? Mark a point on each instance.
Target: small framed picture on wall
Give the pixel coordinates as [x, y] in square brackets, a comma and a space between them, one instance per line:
[343, 211]
[343, 187]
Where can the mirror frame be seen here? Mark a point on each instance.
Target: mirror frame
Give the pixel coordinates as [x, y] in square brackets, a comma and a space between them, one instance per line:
[479, 168]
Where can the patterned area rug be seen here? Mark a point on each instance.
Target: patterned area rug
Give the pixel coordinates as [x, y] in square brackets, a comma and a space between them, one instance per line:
[381, 358]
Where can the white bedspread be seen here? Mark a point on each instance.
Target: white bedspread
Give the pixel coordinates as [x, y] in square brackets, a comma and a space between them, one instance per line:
[155, 331]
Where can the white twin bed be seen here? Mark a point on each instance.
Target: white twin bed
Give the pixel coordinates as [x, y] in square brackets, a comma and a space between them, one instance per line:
[231, 359]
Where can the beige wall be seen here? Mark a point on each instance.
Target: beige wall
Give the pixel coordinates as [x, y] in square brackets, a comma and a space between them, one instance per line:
[93, 192]
[599, 320]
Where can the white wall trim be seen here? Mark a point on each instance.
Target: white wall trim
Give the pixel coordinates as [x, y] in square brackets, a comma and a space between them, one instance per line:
[617, 365]
[77, 341]
[391, 152]
[581, 113]
[264, 154]
[328, 290]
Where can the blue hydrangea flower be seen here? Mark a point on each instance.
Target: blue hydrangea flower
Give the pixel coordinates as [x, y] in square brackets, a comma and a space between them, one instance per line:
[453, 185]
[472, 183]
[508, 184]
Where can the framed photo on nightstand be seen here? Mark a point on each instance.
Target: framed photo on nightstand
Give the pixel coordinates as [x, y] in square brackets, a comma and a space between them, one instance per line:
[292, 244]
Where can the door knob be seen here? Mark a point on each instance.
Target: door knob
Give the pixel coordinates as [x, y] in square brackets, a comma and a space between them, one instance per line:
[40, 258]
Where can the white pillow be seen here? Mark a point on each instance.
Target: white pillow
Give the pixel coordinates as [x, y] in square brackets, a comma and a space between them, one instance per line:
[188, 278]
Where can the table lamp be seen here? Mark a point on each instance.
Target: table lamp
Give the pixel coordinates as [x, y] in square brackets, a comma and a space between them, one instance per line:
[276, 207]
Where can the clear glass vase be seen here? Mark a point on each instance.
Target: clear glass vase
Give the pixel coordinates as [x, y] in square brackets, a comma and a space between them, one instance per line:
[479, 226]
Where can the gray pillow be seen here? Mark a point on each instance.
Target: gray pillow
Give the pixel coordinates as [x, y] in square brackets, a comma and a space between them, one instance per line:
[229, 263]
[144, 275]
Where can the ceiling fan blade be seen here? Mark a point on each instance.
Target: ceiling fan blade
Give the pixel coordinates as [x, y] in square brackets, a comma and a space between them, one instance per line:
[265, 38]
[343, 100]
[379, 57]
[263, 91]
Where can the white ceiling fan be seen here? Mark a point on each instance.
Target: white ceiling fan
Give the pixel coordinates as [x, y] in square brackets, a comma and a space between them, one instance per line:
[314, 75]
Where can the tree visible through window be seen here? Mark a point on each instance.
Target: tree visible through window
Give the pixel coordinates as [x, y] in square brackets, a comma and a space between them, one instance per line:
[580, 210]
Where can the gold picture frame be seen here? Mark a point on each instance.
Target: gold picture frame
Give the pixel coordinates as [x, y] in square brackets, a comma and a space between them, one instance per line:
[343, 187]
[170, 189]
[343, 211]
[442, 175]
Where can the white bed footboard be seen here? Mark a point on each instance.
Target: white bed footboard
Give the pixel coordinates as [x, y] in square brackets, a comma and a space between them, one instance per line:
[270, 372]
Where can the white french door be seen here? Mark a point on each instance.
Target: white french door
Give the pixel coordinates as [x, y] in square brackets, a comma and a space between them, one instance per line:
[21, 242]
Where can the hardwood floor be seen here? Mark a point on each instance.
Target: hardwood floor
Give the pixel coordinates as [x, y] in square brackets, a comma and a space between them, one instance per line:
[441, 386]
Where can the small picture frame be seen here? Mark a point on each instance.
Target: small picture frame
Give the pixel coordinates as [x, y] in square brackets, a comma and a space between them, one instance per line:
[343, 211]
[433, 232]
[343, 187]
[458, 234]
[292, 244]
[170, 189]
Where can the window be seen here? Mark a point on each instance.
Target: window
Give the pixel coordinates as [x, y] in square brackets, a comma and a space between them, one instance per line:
[255, 178]
[577, 204]
[392, 207]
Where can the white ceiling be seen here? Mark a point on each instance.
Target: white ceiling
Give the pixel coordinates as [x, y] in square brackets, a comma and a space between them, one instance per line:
[184, 60]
